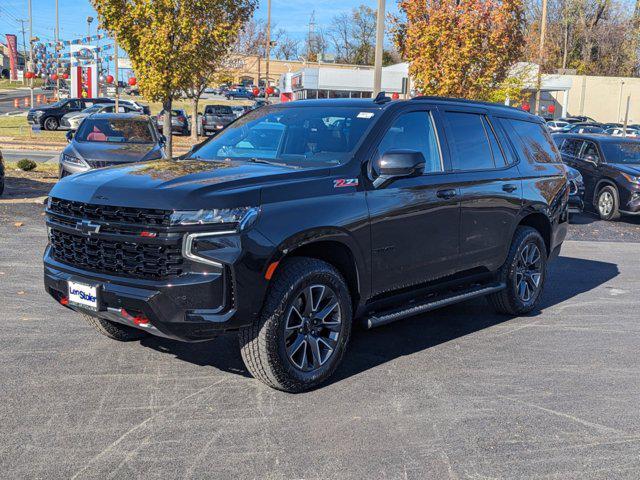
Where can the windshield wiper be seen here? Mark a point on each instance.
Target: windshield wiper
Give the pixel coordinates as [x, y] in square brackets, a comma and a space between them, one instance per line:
[268, 162]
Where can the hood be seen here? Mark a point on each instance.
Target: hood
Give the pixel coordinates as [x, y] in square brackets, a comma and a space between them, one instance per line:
[113, 152]
[178, 184]
[630, 168]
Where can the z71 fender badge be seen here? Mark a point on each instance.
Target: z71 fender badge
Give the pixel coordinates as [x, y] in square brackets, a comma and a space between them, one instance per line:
[345, 182]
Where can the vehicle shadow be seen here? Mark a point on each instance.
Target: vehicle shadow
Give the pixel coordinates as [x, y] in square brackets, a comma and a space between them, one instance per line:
[27, 188]
[567, 278]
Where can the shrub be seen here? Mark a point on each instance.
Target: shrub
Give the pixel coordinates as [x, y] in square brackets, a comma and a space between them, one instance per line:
[27, 165]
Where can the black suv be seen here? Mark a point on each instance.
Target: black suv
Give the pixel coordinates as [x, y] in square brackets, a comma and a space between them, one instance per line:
[610, 168]
[301, 218]
[49, 117]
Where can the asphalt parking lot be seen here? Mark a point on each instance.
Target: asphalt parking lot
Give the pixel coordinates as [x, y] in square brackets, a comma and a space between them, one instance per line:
[459, 393]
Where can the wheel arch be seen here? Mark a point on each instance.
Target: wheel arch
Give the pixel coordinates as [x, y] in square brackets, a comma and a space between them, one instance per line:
[601, 183]
[540, 222]
[336, 248]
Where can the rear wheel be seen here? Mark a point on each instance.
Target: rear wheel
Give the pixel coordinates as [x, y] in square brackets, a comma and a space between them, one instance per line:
[115, 331]
[608, 203]
[524, 273]
[303, 331]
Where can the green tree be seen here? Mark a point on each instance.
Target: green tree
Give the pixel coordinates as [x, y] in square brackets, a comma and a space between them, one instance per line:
[171, 42]
[459, 48]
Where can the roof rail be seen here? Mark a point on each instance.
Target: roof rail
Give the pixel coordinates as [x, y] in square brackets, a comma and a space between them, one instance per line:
[464, 100]
[382, 98]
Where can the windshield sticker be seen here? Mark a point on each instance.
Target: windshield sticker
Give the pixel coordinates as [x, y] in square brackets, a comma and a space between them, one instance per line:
[365, 115]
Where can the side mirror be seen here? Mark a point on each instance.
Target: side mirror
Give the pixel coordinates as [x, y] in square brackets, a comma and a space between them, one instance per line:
[591, 159]
[69, 135]
[397, 164]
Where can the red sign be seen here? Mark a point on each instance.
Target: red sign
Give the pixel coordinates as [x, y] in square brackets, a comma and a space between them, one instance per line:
[13, 55]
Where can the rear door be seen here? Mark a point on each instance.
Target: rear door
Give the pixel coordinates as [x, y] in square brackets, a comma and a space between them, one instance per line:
[484, 168]
[414, 221]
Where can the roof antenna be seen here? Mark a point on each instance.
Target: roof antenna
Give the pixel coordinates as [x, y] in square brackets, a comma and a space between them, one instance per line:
[382, 98]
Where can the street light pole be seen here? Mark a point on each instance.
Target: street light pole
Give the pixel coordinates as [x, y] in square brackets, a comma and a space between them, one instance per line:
[377, 69]
[543, 32]
[57, 50]
[31, 69]
[267, 51]
[115, 60]
[89, 20]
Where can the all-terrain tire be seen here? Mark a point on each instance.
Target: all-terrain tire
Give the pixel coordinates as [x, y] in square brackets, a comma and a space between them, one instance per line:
[262, 344]
[508, 301]
[115, 331]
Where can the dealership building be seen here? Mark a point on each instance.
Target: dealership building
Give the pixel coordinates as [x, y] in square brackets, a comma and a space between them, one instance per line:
[327, 82]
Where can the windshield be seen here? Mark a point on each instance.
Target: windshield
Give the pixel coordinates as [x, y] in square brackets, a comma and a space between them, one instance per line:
[302, 136]
[622, 152]
[116, 130]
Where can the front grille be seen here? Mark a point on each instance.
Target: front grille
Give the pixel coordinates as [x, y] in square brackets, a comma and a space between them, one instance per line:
[119, 258]
[102, 213]
[102, 163]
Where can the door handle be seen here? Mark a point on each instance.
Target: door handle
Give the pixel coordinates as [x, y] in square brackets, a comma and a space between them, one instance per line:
[509, 187]
[446, 194]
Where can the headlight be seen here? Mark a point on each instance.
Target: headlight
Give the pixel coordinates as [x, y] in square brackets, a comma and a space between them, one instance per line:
[240, 215]
[37, 113]
[630, 178]
[71, 160]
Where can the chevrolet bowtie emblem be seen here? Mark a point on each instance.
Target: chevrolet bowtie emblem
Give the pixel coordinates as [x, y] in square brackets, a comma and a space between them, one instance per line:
[85, 226]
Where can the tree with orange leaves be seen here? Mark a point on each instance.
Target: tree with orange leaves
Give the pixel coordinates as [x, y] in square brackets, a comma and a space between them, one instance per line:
[460, 48]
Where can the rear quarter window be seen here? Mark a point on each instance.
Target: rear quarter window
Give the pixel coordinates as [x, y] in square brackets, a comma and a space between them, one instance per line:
[533, 140]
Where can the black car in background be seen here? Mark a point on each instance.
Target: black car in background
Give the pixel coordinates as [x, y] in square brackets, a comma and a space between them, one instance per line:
[107, 139]
[610, 167]
[583, 128]
[299, 219]
[49, 117]
[576, 190]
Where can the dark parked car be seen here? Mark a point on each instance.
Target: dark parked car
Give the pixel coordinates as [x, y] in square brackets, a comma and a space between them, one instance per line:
[299, 219]
[180, 122]
[49, 117]
[239, 93]
[583, 128]
[576, 190]
[610, 167]
[1, 174]
[216, 117]
[107, 139]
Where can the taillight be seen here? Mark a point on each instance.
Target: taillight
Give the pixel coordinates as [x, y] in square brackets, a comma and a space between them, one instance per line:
[182, 119]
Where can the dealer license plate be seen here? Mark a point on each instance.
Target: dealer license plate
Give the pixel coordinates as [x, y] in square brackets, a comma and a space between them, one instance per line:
[82, 295]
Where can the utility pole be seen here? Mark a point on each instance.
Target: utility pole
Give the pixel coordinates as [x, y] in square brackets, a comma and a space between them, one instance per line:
[626, 117]
[57, 50]
[377, 69]
[31, 51]
[115, 60]
[543, 32]
[267, 51]
[89, 20]
[311, 35]
[24, 49]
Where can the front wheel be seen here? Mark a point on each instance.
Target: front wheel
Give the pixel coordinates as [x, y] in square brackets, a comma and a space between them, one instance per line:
[608, 203]
[524, 273]
[304, 328]
[51, 123]
[114, 330]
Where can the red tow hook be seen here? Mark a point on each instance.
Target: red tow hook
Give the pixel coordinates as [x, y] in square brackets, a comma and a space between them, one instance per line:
[64, 301]
[139, 320]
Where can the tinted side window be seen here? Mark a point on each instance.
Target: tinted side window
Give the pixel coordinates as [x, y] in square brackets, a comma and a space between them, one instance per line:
[469, 142]
[414, 131]
[590, 150]
[571, 146]
[498, 155]
[535, 141]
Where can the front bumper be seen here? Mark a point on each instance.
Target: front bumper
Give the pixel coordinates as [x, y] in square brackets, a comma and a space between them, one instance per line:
[630, 204]
[198, 305]
[170, 307]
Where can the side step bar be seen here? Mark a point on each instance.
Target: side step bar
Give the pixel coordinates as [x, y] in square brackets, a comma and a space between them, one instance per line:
[384, 318]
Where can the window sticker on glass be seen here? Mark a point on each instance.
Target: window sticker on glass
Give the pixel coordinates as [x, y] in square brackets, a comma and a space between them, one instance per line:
[365, 115]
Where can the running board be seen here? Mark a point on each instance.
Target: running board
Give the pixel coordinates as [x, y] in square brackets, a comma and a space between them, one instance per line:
[394, 315]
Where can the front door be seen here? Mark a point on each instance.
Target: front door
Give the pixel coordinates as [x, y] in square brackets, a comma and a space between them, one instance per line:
[414, 221]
